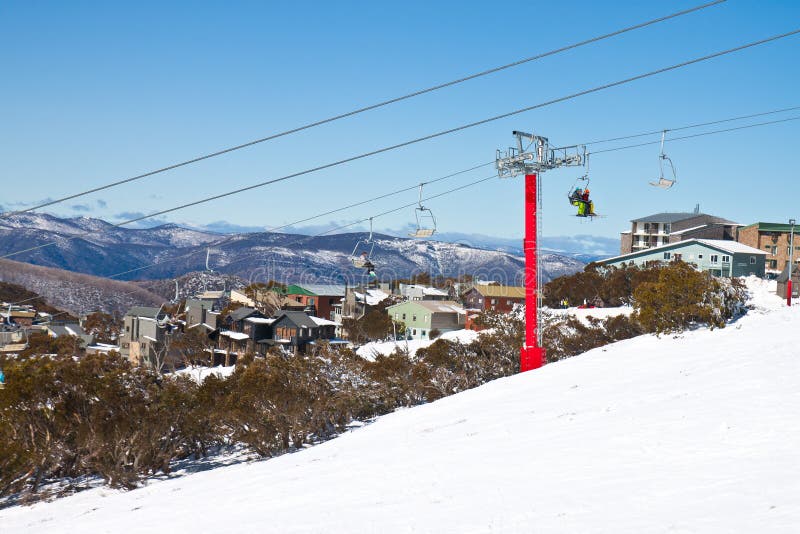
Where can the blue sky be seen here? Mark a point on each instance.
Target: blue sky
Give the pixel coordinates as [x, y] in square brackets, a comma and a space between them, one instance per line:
[94, 92]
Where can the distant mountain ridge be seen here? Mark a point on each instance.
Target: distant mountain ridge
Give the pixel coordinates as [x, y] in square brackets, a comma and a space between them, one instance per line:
[96, 247]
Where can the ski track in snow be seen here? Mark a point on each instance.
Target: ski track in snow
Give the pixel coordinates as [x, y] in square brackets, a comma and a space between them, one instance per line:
[696, 432]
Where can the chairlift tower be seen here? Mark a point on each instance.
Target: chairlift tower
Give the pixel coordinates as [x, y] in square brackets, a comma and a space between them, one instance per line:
[531, 161]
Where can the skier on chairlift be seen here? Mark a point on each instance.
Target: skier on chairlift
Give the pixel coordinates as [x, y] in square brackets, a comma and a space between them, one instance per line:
[580, 198]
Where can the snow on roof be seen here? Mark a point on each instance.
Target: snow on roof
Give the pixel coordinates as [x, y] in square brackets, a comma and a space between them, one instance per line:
[721, 244]
[374, 296]
[323, 322]
[731, 246]
[148, 338]
[433, 291]
[260, 320]
[238, 336]
[436, 306]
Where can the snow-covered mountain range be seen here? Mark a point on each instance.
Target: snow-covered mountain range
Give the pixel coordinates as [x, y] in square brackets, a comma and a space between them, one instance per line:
[99, 248]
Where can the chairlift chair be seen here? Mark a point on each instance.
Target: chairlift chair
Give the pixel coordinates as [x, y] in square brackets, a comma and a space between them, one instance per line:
[426, 222]
[361, 259]
[664, 183]
[574, 194]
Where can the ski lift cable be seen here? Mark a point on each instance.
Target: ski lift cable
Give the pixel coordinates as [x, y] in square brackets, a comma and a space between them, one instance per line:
[447, 132]
[217, 244]
[692, 136]
[442, 133]
[369, 108]
[78, 236]
[689, 126]
[375, 216]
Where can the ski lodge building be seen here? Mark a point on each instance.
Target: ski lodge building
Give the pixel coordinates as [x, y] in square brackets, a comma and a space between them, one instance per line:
[719, 257]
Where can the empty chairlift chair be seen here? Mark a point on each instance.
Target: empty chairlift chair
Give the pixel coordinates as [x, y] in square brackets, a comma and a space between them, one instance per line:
[662, 182]
[362, 252]
[426, 222]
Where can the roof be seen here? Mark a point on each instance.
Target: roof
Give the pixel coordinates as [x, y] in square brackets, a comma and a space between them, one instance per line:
[292, 303]
[239, 336]
[673, 217]
[143, 311]
[326, 290]
[210, 295]
[67, 330]
[772, 227]
[28, 314]
[259, 320]
[243, 313]
[323, 322]
[692, 229]
[732, 247]
[501, 291]
[434, 306]
[297, 317]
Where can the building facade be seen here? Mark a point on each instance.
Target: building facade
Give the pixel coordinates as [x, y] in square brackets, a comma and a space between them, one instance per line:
[422, 316]
[772, 238]
[719, 257]
[319, 300]
[493, 298]
[665, 228]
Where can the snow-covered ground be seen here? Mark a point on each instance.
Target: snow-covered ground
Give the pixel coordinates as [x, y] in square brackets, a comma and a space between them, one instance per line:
[199, 373]
[583, 314]
[372, 349]
[691, 433]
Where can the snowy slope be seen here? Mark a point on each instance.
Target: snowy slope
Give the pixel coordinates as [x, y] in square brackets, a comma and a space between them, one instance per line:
[695, 433]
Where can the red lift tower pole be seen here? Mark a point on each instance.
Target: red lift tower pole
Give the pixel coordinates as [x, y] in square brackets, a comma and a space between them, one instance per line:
[531, 353]
[513, 162]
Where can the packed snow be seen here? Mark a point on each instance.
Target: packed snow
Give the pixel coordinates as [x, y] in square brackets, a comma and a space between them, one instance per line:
[370, 351]
[690, 433]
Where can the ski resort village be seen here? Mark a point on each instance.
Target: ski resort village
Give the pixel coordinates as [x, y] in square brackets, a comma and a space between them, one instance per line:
[395, 268]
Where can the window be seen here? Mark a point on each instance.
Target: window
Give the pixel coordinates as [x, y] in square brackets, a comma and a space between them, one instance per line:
[773, 264]
[678, 257]
[667, 255]
[422, 333]
[311, 301]
[667, 228]
[404, 316]
[726, 259]
[714, 258]
[646, 227]
[752, 260]
[414, 332]
[397, 316]
[414, 317]
[699, 256]
[494, 301]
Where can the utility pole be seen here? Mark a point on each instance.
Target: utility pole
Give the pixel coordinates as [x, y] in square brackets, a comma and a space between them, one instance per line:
[791, 267]
[513, 162]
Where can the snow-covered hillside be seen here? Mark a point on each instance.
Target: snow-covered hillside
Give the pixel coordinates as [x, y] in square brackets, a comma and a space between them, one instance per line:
[692, 433]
